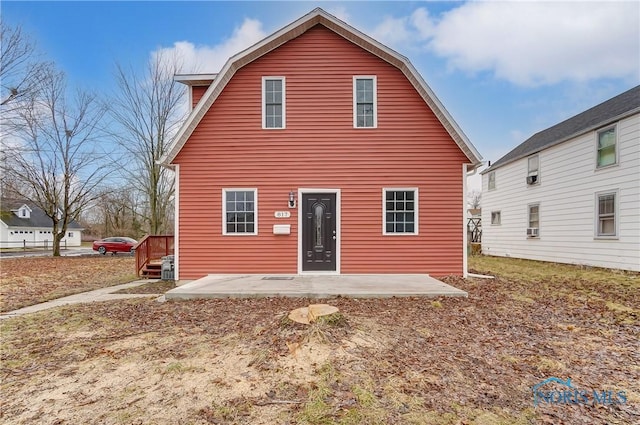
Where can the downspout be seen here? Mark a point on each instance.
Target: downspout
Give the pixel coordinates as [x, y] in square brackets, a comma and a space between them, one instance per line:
[465, 240]
[176, 217]
[176, 223]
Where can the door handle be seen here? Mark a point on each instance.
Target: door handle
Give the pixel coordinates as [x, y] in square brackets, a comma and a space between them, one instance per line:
[334, 237]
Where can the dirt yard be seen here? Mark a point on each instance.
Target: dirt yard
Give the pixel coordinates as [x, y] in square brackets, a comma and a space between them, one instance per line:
[390, 361]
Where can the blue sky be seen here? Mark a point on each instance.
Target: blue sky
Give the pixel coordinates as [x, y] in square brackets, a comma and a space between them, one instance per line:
[504, 70]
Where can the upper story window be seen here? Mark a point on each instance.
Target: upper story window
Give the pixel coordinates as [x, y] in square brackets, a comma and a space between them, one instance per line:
[492, 180]
[533, 168]
[23, 212]
[239, 211]
[606, 225]
[400, 211]
[607, 141]
[365, 108]
[273, 102]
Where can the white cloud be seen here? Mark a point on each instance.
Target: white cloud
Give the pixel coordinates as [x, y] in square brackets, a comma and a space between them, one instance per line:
[210, 59]
[339, 12]
[393, 31]
[528, 43]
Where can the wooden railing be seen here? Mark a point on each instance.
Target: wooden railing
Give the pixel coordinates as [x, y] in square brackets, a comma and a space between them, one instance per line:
[152, 247]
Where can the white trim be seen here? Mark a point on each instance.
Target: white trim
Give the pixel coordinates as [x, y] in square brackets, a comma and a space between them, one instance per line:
[375, 100]
[416, 211]
[597, 132]
[491, 173]
[534, 204]
[465, 239]
[195, 79]
[176, 224]
[295, 29]
[616, 214]
[499, 215]
[531, 173]
[224, 210]
[301, 191]
[284, 103]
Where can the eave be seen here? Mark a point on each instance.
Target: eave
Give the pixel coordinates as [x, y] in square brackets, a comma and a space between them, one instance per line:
[290, 32]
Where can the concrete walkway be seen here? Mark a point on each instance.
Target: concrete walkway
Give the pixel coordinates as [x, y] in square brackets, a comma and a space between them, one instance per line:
[253, 286]
[102, 294]
[316, 286]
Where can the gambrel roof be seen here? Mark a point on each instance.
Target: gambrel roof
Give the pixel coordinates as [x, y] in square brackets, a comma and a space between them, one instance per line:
[319, 17]
[610, 111]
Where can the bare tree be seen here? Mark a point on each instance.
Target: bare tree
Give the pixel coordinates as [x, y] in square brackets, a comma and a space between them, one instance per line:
[20, 69]
[22, 74]
[474, 199]
[57, 159]
[149, 109]
[117, 212]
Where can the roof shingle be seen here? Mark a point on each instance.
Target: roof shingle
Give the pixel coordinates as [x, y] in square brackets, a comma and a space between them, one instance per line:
[600, 115]
[38, 218]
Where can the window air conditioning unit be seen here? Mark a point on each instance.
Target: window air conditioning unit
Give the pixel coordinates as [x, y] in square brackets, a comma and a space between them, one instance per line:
[532, 179]
[532, 232]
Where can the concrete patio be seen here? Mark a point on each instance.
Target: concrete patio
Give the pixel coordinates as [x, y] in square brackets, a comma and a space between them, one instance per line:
[314, 286]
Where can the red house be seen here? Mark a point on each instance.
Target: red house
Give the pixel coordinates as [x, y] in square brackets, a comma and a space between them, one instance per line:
[319, 150]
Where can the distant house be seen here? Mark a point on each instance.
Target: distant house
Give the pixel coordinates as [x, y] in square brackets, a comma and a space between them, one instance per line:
[24, 224]
[319, 150]
[570, 193]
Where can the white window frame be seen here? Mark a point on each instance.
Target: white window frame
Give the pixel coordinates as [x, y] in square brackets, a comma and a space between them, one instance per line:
[490, 180]
[264, 102]
[224, 210]
[416, 214]
[497, 214]
[613, 127]
[533, 172]
[529, 206]
[375, 100]
[616, 214]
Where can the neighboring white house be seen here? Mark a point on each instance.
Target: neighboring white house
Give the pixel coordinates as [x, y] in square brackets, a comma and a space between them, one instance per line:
[23, 224]
[570, 193]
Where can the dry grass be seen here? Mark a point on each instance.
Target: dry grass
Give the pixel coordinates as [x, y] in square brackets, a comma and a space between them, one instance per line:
[401, 361]
[28, 281]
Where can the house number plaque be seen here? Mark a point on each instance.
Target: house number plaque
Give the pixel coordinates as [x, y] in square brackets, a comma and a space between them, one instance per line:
[282, 214]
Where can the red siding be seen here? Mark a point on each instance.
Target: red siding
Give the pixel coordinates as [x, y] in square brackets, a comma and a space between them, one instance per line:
[320, 149]
[196, 94]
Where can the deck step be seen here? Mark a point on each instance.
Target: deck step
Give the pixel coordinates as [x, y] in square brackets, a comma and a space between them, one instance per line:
[152, 270]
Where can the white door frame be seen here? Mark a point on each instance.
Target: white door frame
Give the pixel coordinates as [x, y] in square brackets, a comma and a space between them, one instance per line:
[338, 232]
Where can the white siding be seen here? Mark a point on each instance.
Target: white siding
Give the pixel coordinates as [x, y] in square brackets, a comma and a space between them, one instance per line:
[19, 237]
[566, 193]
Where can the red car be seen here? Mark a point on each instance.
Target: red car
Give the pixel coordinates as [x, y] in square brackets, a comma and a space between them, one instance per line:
[116, 244]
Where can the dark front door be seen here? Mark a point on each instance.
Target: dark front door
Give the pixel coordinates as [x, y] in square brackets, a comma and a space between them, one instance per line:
[319, 232]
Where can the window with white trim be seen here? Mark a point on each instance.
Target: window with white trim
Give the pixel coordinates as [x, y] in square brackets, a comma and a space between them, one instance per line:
[365, 108]
[607, 155]
[400, 211]
[239, 211]
[607, 211]
[273, 102]
[492, 180]
[496, 217]
[533, 167]
[534, 219]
